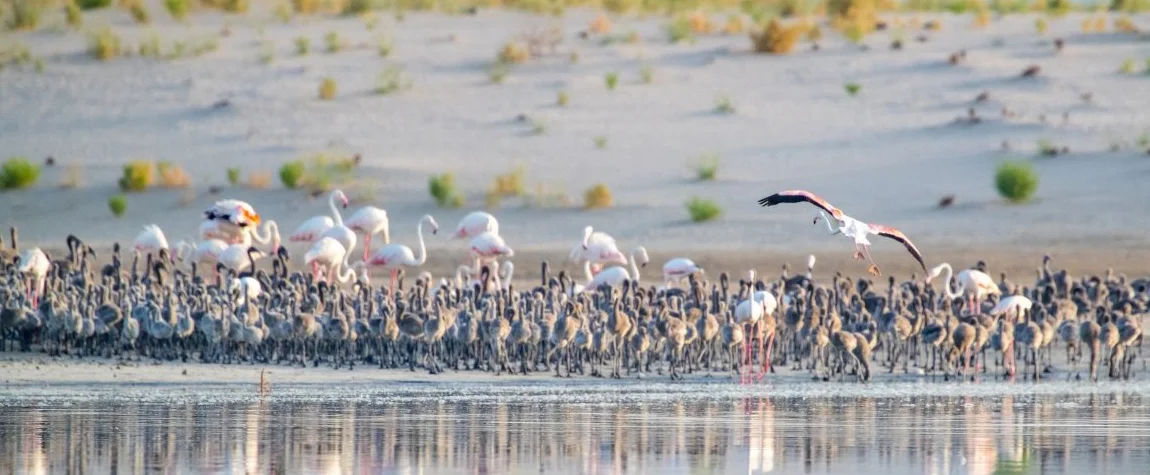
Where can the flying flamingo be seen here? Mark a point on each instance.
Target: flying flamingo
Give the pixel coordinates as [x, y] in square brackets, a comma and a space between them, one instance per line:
[973, 284]
[395, 256]
[614, 276]
[599, 248]
[677, 269]
[150, 240]
[487, 247]
[369, 220]
[846, 225]
[36, 263]
[237, 212]
[330, 254]
[476, 223]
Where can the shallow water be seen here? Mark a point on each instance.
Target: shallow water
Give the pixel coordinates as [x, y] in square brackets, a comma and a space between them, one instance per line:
[577, 428]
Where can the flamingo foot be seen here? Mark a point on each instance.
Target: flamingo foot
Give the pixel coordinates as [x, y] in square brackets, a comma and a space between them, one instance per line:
[859, 256]
[874, 270]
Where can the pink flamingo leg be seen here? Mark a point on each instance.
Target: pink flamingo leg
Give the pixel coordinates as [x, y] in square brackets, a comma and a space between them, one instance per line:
[767, 357]
[366, 247]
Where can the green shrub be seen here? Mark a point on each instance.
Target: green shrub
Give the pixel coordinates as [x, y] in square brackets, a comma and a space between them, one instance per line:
[563, 99]
[302, 45]
[94, 4]
[73, 15]
[139, 13]
[333, 41]
[356, 7]
[723, 105]
[25, 15]
[291, 174]
[1016, 180]
[233, 176]
[138, 175]
[178, 9]
[707, 167]
[702, 210]
[679, 30]
[442, 189]
[612, 80]
[104, 44]
[236, 6]
[392, 80]
[18, 172]
[852, 88]
[118, 204]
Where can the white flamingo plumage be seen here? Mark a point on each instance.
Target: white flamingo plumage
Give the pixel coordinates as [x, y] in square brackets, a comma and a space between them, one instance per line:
[239, 213]
[207, 251]
[235, 257]
[751, 312]
[973, 284]
[476, 223]
[487, 247]
[599, 248]
[1018, 304]
[150, 240]
[615, 275]
[846, 225]
[339, 231]
[327, 254]
[678, 269]
[370, 221]
[313, 228]
[35, 263]
[395, 256]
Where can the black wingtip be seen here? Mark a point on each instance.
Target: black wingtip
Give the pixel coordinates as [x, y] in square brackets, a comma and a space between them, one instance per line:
[766, 201]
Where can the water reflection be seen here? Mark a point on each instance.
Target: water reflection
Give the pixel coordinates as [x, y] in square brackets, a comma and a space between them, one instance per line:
[1103, 433]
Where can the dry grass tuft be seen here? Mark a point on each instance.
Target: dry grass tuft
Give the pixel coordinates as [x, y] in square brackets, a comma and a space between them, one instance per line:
[598, 196]
[513, 53]
[776, 38]
[736, 25]
[700, 23]
[328, 89]
[173, 176]
[260, 180]
[600, 24]
[73, 176]
[138, 175]
[104, 44]
[1125, 25]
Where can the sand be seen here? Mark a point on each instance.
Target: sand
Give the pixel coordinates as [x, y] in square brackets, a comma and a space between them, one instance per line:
[887, 155]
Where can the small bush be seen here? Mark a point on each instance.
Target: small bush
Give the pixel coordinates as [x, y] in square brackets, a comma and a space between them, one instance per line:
[138, 175]
[679, 30]
[283, 13]
[1040, 25]
[305, 7]
[1125, 25]
[735, 25]
[1016, 181]
[510, 183]
[647, 73]
[852, 88]
[513, 53]
[498, 72]
[384, 45]
[392, 80]
[259, 180]
[600, 24]
[702, 210]
[302, 45]
[139, 13]
[356, 7]
[18, 173]
[150, 47]
[776, 38]
[25, 15]
[327, 89]
[173, 176]
[700, 23]
[94, 4]
[1127, 66]
[600, 142]
[104, 44]
[562, 99]
[612, 80]
[707, 167]
[233, 176]
[723, 105]
[598, 196]
[333, 41]
[236, 6]
[538, 127]
[442, 189]
[73, 15]
[291, 174]
[178, 9]
[118, 204]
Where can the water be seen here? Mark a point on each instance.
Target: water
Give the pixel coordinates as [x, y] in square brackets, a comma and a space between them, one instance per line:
[561, 427]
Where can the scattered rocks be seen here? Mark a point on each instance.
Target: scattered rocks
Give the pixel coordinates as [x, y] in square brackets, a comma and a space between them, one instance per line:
[946, 201]
[1031, 71]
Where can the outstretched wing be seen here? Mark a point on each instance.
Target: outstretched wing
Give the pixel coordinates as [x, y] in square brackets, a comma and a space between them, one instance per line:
[799, 196]
[889, 232]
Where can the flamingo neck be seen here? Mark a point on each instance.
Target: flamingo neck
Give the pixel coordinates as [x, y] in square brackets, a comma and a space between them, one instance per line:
[509, 270]
[422, 246]
[634, 268]
[961, 286]
[268, 231]
[335, 216]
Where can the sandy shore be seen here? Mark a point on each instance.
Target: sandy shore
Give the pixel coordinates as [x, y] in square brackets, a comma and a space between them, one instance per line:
[886, 156]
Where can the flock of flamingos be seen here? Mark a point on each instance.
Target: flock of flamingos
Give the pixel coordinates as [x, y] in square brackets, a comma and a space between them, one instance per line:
[209, 299]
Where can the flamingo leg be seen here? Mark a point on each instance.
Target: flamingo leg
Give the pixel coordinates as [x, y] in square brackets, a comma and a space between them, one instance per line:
[391, 283]
[767, 357]
[873, 270]
[366, 246]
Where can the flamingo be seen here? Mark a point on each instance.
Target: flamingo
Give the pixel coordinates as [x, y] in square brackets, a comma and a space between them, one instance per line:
[329, 253]
[312, 229]
[151, 239]
[973, 284]
[476, 223]
[239, 213]
[36, 263]
[339, 231]
[614, 276]
[846, 225]
[369, 220]
[599, 248]
[677, 269]
[226, 231]
[751, 311]
[238, 257]
[487, 247]
[395, 256]
[1017, 303]
[207, 252]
